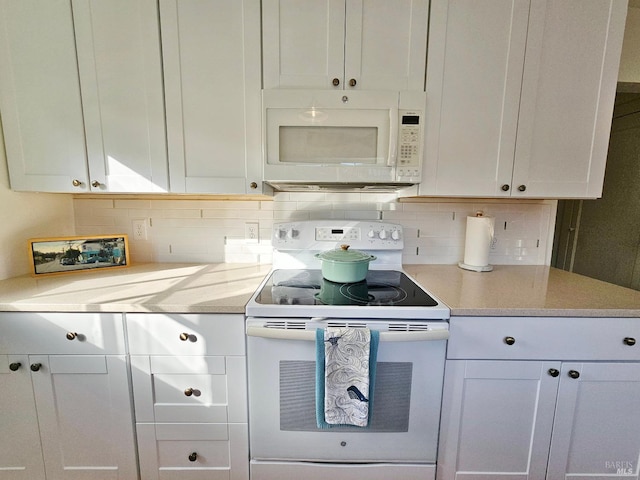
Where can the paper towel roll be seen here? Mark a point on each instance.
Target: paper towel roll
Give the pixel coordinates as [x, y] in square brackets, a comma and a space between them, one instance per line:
[478, 242]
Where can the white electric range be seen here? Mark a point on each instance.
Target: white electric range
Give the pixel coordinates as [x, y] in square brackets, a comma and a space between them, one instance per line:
[282, 319]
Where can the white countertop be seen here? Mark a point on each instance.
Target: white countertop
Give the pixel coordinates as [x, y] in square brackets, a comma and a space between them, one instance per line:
[171, 287]
[537, 290]
[508, 290]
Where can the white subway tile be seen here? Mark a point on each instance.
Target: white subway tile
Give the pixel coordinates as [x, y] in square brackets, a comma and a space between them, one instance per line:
[132, 204]
[175, 213]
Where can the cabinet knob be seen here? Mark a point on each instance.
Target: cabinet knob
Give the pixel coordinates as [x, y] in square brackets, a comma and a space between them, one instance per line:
[184, 337]
[522, 188]
[574, 374]
[629, 341]
[188, 392]
[253, 185]
[505, 188]
[14, 366]
[35, 367]
[335, 82]
[96, 184]
[76, 182]
[352, 82]
[72, 335]
[553, 372]
[193, 456]
[509, 340]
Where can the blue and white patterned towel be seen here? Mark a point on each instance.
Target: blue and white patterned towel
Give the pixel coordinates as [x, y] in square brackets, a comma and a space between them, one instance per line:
[347, 381]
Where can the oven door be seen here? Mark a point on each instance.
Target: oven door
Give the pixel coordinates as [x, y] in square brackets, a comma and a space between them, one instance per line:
[407, 396]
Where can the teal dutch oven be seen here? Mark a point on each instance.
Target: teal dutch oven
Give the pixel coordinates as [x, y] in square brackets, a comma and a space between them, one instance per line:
[345, 266]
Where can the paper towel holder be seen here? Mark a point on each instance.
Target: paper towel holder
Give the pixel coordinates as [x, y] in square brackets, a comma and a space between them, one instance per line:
[476, 268]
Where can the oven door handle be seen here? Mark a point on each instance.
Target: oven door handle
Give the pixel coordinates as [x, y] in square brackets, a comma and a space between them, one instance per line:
[310, 335]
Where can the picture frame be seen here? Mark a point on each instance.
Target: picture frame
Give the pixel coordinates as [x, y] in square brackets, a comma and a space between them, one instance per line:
[62, 255]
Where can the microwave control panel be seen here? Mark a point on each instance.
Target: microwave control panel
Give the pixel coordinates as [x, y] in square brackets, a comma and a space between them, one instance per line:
[409, 145]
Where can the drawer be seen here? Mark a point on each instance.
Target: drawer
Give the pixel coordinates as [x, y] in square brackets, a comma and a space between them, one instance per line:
[190, 334]
[189, 389]
[193, 452]
[61, 333]
[544, 338]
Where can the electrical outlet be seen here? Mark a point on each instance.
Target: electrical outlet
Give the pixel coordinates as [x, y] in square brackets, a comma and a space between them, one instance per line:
[252, 232]
[139, 229]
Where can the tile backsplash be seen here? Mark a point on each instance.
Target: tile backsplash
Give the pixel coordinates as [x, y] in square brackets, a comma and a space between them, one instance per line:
[213, 230]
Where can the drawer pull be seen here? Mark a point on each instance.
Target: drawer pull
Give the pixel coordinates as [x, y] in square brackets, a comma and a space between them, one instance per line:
[72, 335]
[35, 367]
[629, 341]
[574, 374]
[554, 372]
[509, 340]
[192, 391]
[193, 457]
[188, 336]
[14, 366]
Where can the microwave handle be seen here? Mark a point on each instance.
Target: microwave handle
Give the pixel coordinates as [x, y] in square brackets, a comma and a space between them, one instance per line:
[310, 335]
[393, 137]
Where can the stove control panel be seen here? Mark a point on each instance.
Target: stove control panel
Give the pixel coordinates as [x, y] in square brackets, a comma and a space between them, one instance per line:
[337, 234]
[326, 234]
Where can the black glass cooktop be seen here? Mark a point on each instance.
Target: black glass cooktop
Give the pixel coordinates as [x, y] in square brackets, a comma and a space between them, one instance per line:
[307, 287]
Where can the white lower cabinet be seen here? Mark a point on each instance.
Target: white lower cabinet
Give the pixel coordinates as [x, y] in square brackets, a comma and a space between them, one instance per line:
[189, 381]
[510, 414]
[65, 409]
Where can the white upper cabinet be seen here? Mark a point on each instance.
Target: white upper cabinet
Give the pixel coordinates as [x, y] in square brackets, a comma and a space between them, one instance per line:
[345, 44]
[520, 97]
[40, 97]
[118, 43]
[211, 53]
[81, 96]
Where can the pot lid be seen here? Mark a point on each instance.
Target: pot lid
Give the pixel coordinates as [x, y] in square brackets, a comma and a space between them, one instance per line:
[343, 254]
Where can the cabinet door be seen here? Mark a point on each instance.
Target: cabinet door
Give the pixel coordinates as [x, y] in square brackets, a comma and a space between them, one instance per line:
[118, 44]
[40, 97]
[596, 433]
[496, 419]
[211, 53]
[20, 453]
[338, 44]
[84, 412]
[568, 90]
[386, 44]
[476, 57]
[303, 43]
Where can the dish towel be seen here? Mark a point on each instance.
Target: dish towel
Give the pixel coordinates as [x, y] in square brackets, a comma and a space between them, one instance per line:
[345, 376]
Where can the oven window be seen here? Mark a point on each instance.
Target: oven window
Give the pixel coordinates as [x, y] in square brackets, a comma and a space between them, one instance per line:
[329, 145]
[391, 398]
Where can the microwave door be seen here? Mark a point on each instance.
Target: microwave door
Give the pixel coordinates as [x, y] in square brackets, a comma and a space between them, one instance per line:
[330, 137]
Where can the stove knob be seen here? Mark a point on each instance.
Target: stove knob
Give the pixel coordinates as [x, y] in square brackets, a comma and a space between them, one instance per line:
[280, 233]
[395, 235]
[383, 234]
[371, 234]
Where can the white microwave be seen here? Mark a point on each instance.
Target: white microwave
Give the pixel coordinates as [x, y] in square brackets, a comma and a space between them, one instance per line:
[329, 138]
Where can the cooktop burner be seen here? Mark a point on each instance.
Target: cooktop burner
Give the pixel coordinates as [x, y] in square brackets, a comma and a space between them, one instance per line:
[307, 287]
